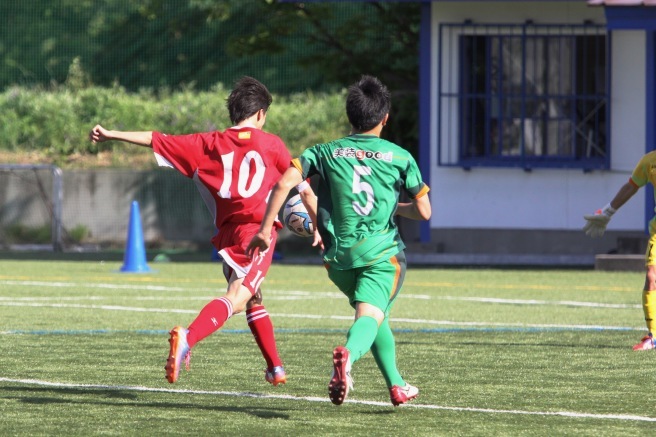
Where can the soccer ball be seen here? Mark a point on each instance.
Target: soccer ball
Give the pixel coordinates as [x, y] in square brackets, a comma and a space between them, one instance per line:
[296, 218]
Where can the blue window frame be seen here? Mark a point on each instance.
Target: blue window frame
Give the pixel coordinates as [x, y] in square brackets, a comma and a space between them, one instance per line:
[524, 96]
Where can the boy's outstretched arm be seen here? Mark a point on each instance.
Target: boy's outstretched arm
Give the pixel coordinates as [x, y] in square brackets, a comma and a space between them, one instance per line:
[595, 224]
[99, 135]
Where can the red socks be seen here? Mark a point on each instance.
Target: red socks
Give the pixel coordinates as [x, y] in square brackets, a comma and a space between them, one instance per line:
[260, 323]
[213, 315]
[209, 320]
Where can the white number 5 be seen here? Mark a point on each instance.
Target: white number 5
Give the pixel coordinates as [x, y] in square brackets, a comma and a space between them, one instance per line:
[360, 186]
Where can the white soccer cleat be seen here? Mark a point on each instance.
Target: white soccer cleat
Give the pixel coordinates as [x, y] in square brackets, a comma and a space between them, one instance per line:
[341, 381]
[646, 343]
[276, 375]
[401, 395]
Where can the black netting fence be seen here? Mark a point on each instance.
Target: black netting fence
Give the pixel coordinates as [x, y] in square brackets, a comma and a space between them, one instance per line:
[66, 63]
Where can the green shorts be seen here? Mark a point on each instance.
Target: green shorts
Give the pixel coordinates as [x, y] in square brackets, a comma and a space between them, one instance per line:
[378, 284]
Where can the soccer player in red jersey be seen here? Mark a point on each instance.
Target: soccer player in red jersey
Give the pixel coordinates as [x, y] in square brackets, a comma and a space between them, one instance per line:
[234, 171]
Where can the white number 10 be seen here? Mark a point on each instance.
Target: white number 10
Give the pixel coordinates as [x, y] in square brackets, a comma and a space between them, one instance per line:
[244, 174]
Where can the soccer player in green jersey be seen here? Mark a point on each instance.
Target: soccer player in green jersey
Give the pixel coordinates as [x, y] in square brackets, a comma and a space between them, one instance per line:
[360, 178]
[644, 173]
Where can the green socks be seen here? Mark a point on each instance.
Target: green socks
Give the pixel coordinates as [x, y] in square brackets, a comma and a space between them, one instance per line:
[360, 337]
[364, 335]
[384, 351]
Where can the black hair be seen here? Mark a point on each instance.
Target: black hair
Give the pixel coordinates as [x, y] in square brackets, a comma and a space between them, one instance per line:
[247, 97]
[367, 103]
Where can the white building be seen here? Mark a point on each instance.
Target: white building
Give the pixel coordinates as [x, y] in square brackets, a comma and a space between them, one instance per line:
[534, 113]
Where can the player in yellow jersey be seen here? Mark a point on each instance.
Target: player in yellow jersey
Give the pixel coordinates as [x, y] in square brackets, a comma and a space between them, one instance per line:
[644, 173]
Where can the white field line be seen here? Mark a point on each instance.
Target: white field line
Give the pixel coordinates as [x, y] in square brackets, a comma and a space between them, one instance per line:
[95, 307]
[58, 302]
[99, 285]
[539, 302]
[318, 317]
[302, 294]
[279, 295]
[570, 414]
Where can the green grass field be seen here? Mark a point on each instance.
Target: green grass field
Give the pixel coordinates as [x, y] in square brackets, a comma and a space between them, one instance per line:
[493, 352]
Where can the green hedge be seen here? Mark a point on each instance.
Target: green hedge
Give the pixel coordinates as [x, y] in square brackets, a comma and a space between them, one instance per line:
[54, 123]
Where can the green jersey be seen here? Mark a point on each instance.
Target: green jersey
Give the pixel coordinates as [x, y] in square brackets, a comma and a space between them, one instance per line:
[361, 177]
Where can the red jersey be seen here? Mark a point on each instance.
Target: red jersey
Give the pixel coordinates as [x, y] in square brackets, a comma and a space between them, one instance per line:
[234, 170]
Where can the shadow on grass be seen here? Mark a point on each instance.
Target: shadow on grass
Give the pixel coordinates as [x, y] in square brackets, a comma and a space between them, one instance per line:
[103, 397]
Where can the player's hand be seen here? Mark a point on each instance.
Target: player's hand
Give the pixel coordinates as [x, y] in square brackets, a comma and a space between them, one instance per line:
[317, 240]
[98, 134]
[595, 225]
[259, 241]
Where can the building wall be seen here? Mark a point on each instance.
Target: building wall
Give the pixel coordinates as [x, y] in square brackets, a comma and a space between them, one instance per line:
[482, 202]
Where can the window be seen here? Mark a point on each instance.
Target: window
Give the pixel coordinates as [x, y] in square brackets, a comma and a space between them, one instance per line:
[525, 96]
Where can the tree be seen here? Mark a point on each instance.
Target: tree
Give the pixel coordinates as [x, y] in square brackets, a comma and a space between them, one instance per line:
[341, 41]
[40, 39]
[169, 44]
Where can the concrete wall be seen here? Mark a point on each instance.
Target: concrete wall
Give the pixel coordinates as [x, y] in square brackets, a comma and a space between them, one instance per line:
[171, 208]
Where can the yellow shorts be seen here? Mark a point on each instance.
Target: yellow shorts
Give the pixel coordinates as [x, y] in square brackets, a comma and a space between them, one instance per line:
[650, 255]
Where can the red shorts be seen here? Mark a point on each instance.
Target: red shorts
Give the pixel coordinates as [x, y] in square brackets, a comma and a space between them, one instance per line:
[231, 242]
